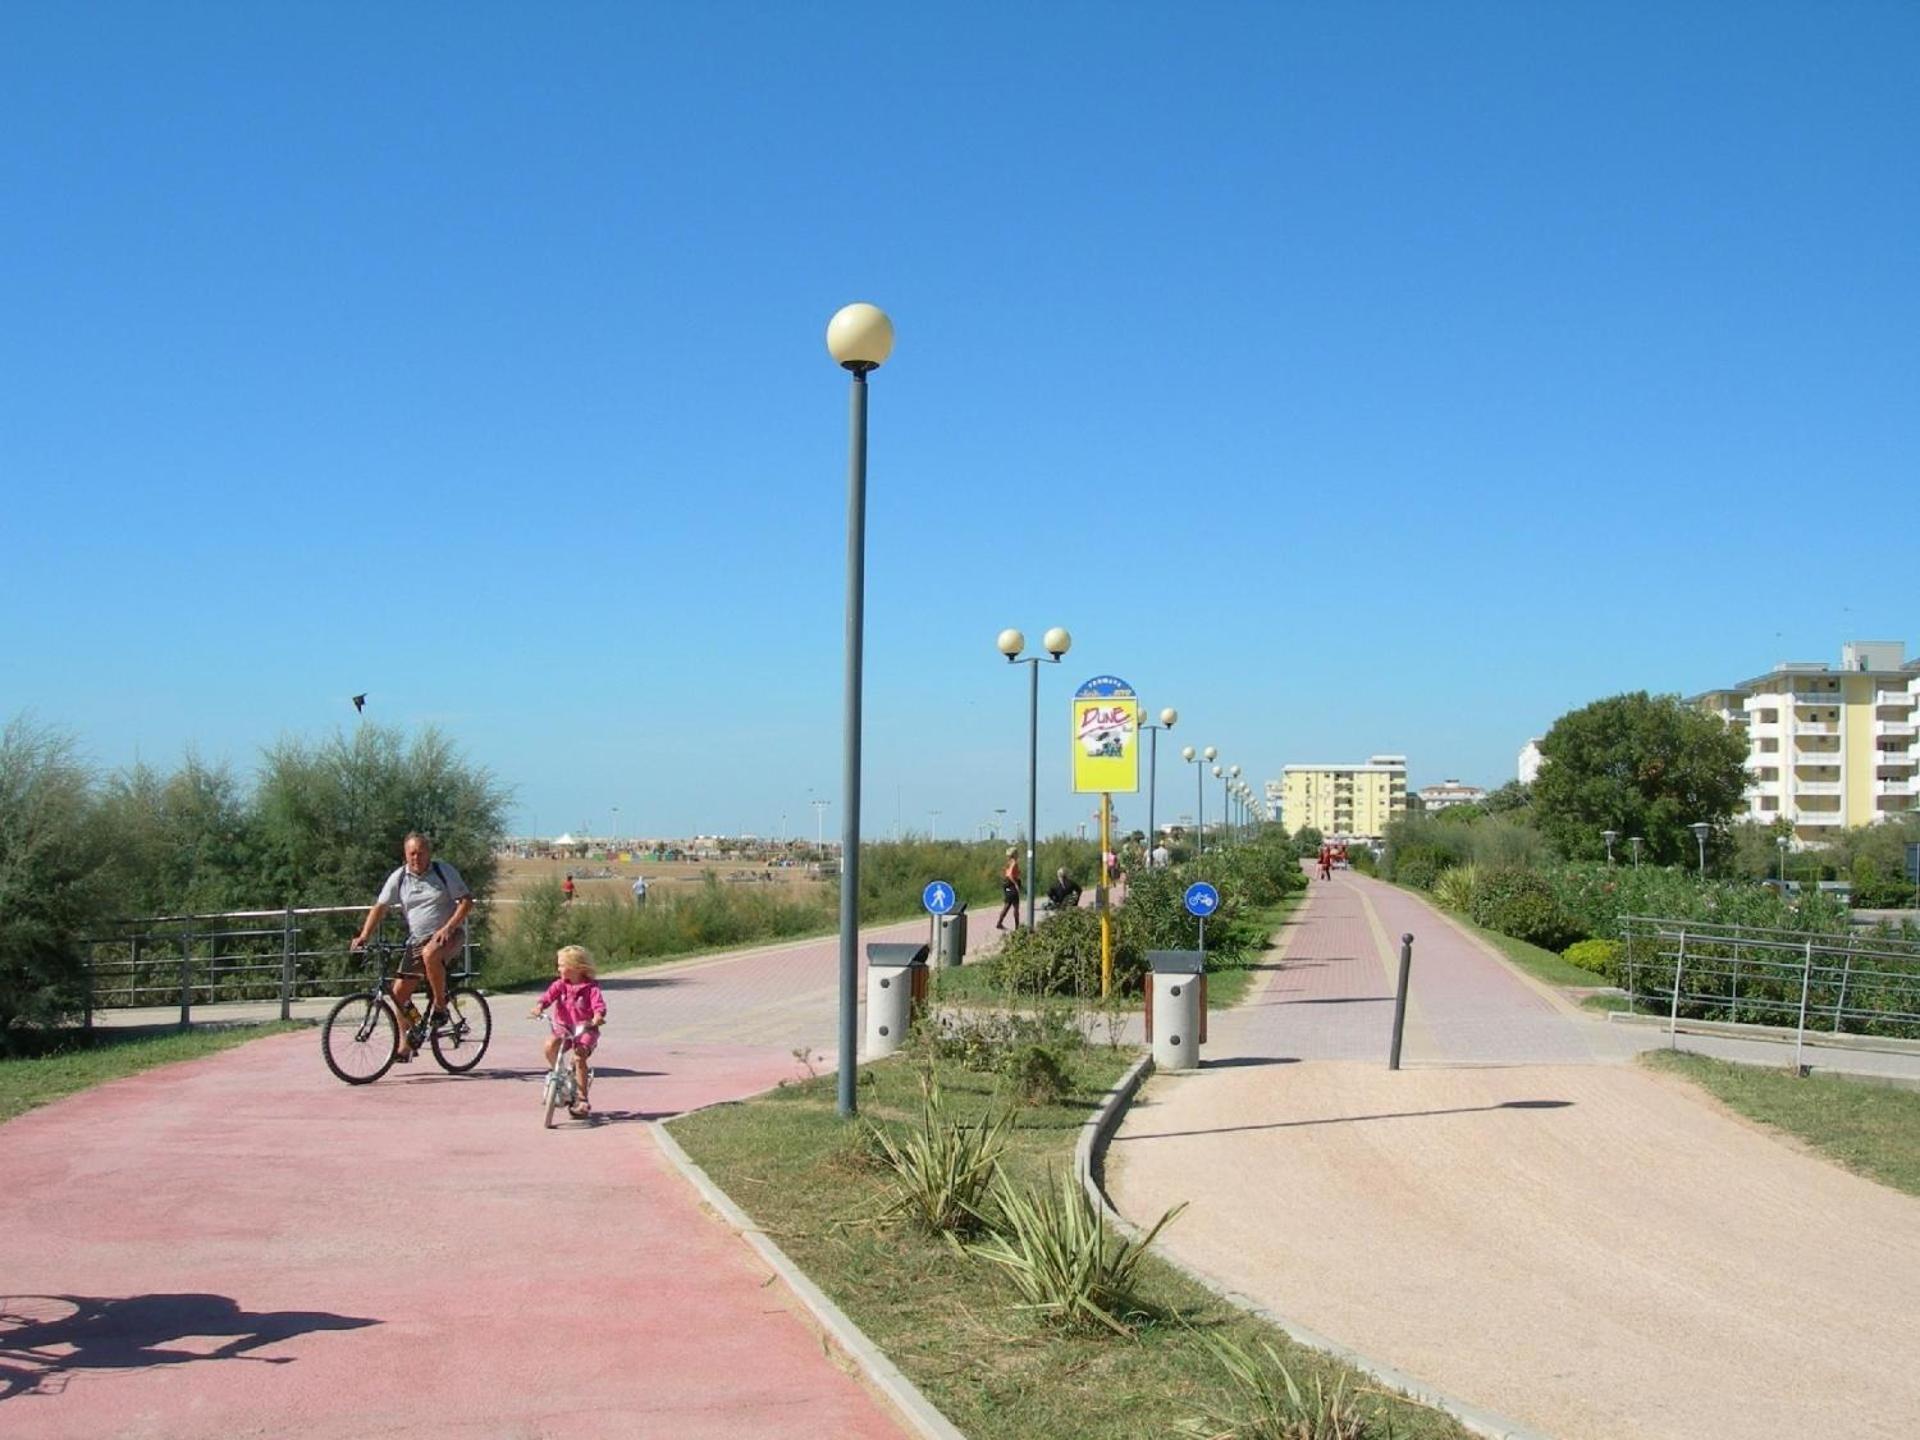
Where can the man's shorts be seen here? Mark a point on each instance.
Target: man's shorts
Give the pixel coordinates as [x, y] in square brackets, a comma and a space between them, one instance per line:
[413, 967]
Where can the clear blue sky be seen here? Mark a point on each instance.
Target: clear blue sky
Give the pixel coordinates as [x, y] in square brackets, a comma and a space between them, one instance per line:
[1353, 377]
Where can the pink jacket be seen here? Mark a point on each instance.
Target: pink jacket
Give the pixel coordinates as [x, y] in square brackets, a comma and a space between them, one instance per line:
[574, 1004]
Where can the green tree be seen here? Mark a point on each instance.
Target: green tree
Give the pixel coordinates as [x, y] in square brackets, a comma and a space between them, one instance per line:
[184, 843]
[331, 818]
[1637, 764]
[54, 877]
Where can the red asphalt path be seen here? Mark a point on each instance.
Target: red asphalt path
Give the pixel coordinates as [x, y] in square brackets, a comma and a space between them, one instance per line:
[242, 1245]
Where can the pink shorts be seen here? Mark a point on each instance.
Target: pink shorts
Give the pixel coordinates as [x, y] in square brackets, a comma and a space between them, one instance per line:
[584, 1044]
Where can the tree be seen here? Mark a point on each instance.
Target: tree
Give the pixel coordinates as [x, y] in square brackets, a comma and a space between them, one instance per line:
[1642, 765]
[54, 863]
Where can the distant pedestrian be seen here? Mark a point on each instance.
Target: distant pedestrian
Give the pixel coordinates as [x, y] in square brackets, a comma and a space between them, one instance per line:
[566, 888]
[1161, 856]
[1010, 890]
[639, 889]
[1063, 894]
[1326, 862]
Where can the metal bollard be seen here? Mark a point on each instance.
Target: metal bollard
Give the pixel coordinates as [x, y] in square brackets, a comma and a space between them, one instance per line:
[1400, 1000]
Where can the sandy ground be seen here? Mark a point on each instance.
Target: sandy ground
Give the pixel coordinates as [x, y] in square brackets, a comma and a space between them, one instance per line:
[1522, 1218]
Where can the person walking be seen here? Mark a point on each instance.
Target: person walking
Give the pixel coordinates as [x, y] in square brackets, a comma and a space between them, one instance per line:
[566, 888]
[639, 890]
[1010, 890]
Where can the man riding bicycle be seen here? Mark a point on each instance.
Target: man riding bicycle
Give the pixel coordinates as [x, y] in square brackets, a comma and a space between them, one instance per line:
[436, 902]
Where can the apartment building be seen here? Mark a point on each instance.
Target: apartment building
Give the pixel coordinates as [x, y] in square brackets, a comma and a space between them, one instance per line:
[1829, 747]
[1346, 802]
[1449, 793]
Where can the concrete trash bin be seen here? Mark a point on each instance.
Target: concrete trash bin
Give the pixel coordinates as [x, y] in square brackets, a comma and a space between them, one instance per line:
[950, 939]
[1176, 1008]
[896, 984]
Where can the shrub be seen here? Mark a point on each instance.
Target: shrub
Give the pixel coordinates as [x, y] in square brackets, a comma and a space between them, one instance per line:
[1273, 1405]
[1454, 889]
[1061, 956]
[1036, 1076]
[1602, 957]
[1068, 1264]
[1522, 903]
[942, 1169]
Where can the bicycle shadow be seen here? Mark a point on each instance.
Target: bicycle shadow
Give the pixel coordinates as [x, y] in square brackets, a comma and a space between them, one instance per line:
[45, 1339]
[535, 1075]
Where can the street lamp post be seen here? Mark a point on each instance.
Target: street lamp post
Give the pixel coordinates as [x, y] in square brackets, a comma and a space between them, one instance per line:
[1783, 842]
[819, 829]
[1011, 642]
[1234, 772]
[1634, 840]
[1609, 836]
[1167, 719]
[860, 338]
[935, 814]
[1226, 823]
[1701, 830]
[1199, 761]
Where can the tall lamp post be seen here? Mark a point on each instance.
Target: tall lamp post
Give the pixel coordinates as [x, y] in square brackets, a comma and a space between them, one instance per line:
[1011, 642]
[1234, 772]
[1609, 836]
[1701, 830]
[1226, 821]
[1199, 761]
[1167, 719]
[1783, 842]
[860, 338]
[819, 828]
[1634, 840]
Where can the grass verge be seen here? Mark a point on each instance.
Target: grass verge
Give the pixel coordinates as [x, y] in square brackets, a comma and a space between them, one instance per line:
[947, 1319]
[40, 1079]
[1873, 1130]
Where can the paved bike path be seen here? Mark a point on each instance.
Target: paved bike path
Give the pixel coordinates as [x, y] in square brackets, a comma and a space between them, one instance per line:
[243, 1245]
[1519, 1218]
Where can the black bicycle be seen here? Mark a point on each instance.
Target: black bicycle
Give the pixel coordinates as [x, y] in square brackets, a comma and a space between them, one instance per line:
[361, 1035]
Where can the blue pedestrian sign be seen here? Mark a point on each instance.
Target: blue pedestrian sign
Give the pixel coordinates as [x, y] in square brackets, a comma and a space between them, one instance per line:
[1201, 899]
[937, 897]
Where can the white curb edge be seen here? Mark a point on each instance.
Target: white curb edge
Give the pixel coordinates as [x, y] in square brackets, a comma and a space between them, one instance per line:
[919, 1413]
[1089, 1152]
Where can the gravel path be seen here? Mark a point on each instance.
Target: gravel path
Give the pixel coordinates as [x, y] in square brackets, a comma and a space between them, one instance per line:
[1519, 1218]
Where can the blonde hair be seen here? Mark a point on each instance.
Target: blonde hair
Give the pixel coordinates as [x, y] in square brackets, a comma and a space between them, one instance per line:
[576, 957]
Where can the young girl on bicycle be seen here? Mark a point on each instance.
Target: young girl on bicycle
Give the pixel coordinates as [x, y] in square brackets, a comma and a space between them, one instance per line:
[576, 1000]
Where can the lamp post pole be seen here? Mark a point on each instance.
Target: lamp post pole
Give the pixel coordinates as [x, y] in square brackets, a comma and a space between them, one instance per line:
[1783, 842]
[1011, 642]
[1634, 840]
[859, 337]
[1609, 836]
[1167, 719]
[1700, 830]
[1199, 760]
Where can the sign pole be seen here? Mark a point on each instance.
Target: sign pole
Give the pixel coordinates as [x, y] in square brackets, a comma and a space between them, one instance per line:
[1106, 897]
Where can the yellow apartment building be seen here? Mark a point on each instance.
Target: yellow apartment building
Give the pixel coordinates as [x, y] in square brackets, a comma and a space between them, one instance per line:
[1345, 802]
[1828, 747]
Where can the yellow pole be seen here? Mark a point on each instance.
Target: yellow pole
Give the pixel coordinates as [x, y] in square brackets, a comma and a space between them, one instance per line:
[1106, 898]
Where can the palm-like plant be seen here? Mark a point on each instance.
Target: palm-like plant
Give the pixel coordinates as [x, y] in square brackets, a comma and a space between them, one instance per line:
[943, 1169]
[1274, 1406]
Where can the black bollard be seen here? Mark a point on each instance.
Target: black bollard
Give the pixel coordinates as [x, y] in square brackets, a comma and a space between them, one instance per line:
[1400, 1000]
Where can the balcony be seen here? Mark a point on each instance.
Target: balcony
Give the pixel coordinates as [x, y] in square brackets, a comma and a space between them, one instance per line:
[1816, 787]
[1817, 697]
[1902, 699]
[1895, 729]
[1896, 759]
[1896, 787]
[1818, 727]
[1819, 818]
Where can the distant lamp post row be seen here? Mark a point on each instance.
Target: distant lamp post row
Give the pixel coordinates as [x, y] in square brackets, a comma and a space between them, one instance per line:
[1199, 760]
[1011, 642]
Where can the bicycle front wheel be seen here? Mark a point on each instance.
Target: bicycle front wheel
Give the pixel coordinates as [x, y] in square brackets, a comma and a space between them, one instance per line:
[551, 1098]
[358, 1039]
[459, 1044]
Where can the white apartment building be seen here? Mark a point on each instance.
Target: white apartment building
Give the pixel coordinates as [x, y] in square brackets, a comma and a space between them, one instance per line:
[1828, 747]
[1450, 793]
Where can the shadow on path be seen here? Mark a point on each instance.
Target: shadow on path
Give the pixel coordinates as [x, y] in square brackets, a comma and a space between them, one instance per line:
[45, 1338]
[1351, 1119]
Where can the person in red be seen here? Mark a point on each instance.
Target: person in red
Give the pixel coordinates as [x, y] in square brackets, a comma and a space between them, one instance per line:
[566, 887]
[1326, 861]
[576, 1000]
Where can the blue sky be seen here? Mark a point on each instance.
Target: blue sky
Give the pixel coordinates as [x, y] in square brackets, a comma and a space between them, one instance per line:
[1353, 377]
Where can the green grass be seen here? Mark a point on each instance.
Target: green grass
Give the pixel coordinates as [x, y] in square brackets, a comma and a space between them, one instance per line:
[1873, 1130]
[945, 1318]
[38, 1080]
[1539, 963]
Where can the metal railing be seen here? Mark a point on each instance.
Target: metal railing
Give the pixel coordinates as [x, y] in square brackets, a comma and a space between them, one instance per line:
[1746, 975]
[236, 955]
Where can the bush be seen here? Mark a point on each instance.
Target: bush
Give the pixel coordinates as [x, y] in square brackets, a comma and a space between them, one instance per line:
[1522, 903]
[1602, 957]
[1061, 956]
[1454, 889]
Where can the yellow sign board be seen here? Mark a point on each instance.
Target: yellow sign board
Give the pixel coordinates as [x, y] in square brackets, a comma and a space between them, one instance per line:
[1106, 737]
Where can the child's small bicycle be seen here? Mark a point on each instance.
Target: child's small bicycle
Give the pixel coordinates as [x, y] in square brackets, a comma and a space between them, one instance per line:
[561, 1088]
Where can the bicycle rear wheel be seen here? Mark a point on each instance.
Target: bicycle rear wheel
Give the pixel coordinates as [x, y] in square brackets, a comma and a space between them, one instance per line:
[459, 1044]
[358, 1039]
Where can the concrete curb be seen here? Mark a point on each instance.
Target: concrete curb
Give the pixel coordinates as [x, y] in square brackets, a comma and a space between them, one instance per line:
[1089, 1155]
[882, 1374]
[1814, 1039]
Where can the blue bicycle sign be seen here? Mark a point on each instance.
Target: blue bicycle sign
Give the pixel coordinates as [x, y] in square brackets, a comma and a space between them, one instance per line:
[1201, 899]
[937, 897]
